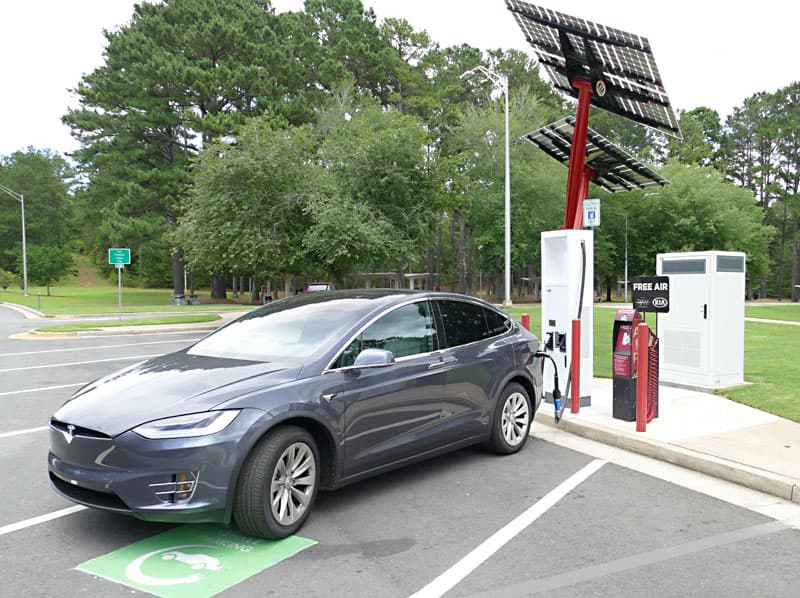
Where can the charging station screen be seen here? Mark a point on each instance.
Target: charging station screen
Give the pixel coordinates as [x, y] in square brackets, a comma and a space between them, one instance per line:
[622, 351]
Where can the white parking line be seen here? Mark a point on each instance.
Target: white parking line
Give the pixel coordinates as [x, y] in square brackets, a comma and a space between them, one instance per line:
[20, 432]
[15, 527]
[447, 580]
[61, 365]
[41, 389]
[188, 340]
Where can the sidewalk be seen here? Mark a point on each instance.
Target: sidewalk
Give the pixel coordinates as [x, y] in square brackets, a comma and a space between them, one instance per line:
[699, 431]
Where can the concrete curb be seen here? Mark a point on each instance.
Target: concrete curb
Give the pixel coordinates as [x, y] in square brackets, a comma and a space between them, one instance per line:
[756, 479]
[28, 312]
[123, 330]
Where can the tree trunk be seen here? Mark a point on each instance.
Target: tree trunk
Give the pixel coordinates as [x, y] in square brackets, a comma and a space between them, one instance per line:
[177, 273]
[439, 250]
[462, 255]
[430, 269]
[453, 253]
[795, 260]
[781, 254]
[218, 289]
[763, 291]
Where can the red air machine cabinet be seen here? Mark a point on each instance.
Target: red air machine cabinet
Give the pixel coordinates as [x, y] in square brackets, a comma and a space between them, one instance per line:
[624, 368]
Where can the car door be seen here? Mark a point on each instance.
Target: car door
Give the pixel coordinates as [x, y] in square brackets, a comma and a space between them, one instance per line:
[477, 359]
[392, 412]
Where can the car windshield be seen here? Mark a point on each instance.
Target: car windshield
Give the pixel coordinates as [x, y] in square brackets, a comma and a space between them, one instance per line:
[292, 330]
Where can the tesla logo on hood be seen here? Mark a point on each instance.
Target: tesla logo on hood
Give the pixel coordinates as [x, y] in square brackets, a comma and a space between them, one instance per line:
[69, 435]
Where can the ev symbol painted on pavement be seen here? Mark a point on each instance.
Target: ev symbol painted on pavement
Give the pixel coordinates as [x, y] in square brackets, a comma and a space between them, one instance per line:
[192, 561]
[135, 571]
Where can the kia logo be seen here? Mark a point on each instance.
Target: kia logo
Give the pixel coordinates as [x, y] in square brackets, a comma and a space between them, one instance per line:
[660, 302]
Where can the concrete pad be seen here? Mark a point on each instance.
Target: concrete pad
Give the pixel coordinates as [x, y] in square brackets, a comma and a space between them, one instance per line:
[699, 431]
[772, 446]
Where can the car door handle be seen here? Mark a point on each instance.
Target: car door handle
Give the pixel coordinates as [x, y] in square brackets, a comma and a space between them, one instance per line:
[442, 363]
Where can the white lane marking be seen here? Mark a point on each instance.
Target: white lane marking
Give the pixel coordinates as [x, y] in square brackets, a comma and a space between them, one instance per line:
[188, 340]
[15, 527]
[41, 389]
[447, 580]
[62, 365]
[20, 432]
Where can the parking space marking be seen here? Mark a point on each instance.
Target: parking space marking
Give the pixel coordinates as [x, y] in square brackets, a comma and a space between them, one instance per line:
[41, 389]
[447, 580]
[92, 348]
[15, 527]
[636, 561]
[20, 432]
[61, 365]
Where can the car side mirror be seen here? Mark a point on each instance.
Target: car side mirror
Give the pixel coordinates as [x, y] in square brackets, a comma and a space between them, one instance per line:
[373, 358]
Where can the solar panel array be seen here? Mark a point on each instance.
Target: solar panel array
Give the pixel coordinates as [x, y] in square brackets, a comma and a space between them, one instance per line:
[619, 65]
[614, 169]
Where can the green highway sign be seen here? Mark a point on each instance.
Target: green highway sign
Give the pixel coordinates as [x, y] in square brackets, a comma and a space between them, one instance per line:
[119, 257]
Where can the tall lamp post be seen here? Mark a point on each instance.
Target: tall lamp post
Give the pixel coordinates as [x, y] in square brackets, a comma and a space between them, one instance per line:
[21, 200]
[501, 82]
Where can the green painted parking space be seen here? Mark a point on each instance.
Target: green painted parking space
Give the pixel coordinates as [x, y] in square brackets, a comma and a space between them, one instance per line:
[194, 561]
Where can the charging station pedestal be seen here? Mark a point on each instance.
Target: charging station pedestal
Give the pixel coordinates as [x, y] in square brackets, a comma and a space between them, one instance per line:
[563, 264]
[702, 336]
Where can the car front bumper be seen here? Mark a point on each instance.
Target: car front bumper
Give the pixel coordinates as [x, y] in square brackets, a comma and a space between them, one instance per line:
[171, 480]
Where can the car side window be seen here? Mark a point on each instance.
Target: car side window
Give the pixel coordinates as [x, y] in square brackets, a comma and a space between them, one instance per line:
[463, 322]
[498, 323]
[407, 330]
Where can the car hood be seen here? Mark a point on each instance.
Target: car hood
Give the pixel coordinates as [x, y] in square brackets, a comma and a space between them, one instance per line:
[166, 386]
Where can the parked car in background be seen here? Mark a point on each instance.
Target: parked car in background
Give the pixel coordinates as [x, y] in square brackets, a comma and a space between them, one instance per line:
[315, 287]
[305, 393]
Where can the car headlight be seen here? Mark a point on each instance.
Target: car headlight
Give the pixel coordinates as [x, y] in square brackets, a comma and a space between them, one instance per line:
[187, 426]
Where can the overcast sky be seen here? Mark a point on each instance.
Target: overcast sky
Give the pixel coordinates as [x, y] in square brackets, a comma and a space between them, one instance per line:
[709, 53]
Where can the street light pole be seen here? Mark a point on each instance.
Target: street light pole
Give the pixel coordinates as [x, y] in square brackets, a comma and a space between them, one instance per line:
[501, 81]
[19, 197]
[626, 257]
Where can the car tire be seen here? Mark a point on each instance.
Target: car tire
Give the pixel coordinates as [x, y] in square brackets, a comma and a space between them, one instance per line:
[278, 484]
[512, 420]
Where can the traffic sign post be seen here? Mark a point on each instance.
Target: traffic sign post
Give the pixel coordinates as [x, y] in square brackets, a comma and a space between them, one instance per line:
[119, 257]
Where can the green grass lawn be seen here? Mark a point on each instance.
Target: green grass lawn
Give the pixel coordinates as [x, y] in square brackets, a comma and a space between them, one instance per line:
[103, 299]
[770, 356]
[776, 311]
[89, 326]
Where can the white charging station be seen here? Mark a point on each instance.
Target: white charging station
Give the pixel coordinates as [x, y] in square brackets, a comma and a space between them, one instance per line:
[566, 255]
[702, 336]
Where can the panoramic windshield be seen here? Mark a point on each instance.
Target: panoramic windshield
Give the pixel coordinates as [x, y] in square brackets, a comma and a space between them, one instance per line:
[293, 330]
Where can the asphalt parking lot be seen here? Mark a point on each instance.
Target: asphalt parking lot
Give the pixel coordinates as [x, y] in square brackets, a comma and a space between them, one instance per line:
[466, 524]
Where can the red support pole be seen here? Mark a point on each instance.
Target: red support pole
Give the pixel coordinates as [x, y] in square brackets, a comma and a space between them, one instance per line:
[642, 338]
[577, 155]
[526, 322]
[575, 395]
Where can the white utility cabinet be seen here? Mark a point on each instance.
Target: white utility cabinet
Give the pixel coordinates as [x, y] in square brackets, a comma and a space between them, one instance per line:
[563, 264]
[702, 336]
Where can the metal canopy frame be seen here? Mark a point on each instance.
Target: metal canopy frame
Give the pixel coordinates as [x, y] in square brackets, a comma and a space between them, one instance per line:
[606, 164]
[599, 65]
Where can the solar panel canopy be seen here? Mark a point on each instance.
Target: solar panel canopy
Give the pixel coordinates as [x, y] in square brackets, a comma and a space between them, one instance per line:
[613, 168]
[620, 66]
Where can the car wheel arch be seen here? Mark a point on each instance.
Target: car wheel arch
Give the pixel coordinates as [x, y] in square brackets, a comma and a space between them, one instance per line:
[323, 436]
[523, 381]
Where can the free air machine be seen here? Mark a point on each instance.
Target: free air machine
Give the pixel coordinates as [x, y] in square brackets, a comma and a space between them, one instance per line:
[615, 71]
